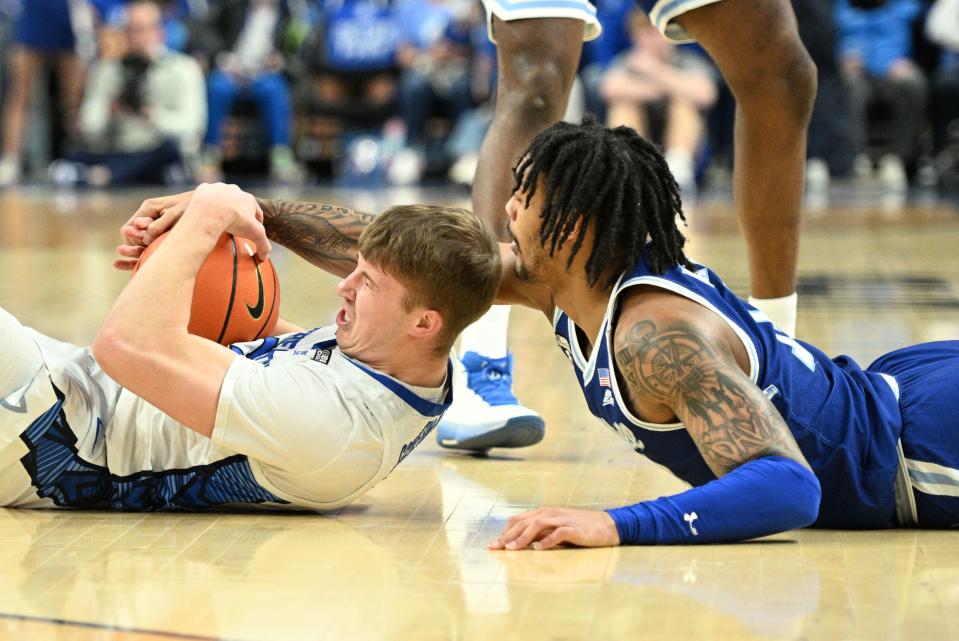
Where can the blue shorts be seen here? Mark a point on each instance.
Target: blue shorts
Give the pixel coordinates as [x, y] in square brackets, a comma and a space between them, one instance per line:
[928, 379]
[45, 25]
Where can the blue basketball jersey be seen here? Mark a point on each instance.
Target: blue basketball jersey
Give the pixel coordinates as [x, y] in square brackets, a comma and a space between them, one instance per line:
[846, 420]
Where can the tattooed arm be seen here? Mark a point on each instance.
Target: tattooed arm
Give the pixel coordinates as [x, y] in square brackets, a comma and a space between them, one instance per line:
[325, 235]
[679, 361]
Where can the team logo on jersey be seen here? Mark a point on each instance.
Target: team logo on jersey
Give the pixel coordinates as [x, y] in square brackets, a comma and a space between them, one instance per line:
[322, 355]
[608, 398]
[257, 310]
[565, 346]
[409, 447]
[689, 517]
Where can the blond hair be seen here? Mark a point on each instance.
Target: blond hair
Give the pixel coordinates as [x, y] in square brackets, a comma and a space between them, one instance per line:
[446, 257]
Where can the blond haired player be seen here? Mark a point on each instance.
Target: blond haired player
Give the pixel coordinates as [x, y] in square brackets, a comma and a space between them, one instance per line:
[152, 418]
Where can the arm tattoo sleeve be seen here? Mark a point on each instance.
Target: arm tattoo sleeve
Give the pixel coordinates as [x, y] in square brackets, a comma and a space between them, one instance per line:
[727, 416]
[325, 235]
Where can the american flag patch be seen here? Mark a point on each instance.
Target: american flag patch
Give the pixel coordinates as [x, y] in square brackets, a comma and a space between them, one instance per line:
[603, 376]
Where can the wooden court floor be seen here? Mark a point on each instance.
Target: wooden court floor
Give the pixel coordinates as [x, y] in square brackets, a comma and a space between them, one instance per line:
[409, 561]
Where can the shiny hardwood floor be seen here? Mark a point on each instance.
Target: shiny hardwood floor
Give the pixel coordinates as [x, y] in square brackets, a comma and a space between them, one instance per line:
[409, 560]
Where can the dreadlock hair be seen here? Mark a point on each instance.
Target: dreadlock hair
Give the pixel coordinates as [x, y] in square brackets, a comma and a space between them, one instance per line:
[614, 179]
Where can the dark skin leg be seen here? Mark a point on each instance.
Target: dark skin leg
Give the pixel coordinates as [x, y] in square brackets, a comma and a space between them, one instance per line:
[757, 48]
[537, 62]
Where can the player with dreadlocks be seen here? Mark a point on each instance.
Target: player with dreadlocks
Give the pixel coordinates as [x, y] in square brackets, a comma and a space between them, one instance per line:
[755, 45]
[771, 433]
[594, 174]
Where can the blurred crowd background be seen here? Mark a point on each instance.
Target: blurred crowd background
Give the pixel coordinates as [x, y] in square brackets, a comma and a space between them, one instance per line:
[400, 92]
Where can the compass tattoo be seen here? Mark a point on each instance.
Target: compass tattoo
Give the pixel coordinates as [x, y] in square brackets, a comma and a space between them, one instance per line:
[727, 416]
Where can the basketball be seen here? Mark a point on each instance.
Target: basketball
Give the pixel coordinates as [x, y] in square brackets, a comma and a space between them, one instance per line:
[236, 297]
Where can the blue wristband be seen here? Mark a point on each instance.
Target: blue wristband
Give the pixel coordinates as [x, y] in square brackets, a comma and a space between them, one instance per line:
[761, 497]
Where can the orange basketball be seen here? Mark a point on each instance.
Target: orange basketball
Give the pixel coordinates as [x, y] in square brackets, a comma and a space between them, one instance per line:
[236, 297]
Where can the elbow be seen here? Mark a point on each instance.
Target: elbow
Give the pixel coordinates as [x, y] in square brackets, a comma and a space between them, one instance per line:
[116, 353]
[108, 347]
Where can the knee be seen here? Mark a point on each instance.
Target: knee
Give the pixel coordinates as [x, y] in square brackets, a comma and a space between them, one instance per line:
[801, 75]
[535, 88]
[913, 83]
[275, 83]
[270, 86]
[782, 79]
[220, 86]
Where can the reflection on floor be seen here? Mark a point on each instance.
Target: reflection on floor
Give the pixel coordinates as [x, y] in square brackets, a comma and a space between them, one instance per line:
[409, 561]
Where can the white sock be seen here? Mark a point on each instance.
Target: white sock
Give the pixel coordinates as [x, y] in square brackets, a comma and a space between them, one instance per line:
[20, 357]
[680, 163]
[781, 311]
[487, 336]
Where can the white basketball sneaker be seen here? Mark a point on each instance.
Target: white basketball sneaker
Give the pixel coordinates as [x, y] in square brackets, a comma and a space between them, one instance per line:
[485, 413]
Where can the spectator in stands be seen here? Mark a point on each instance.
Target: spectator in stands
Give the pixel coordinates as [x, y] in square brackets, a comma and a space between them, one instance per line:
[243, 43]
[351, 57]
[657, 82]
[176, 13]
[44, 33]
[875, 44]
[942, 27]
[176, 17]
[434, 60]
[143, 111]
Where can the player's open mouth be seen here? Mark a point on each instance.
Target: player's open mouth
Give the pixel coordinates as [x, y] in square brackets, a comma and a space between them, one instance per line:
[342, 318]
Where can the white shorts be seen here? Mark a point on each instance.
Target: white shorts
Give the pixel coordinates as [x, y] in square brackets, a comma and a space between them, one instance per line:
[60, 415]
[85, 395]
[508, 10]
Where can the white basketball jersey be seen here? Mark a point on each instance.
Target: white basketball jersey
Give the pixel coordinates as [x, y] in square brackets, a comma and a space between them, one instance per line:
[298, 425]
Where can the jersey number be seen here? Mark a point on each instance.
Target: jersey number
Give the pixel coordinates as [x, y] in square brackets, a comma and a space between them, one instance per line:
[800, 352]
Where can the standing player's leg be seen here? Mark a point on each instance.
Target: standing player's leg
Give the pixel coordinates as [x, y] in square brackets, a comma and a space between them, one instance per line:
[756, 46]
[537, 60]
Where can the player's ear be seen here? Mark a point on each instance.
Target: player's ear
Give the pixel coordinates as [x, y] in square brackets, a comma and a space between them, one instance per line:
[429, 322]
[574, 232]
